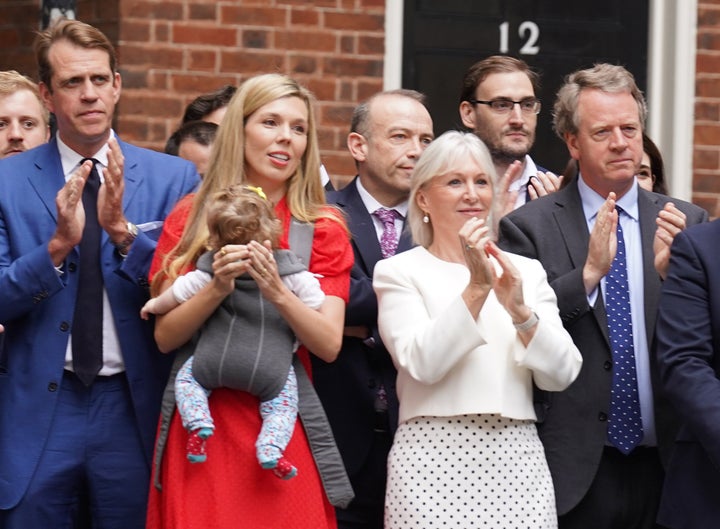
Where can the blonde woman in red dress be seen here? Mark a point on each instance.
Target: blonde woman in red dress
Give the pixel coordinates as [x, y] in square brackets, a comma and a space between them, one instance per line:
[268, 140]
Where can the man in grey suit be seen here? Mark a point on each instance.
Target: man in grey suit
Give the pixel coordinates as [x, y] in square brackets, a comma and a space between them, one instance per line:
[602, 481]
[388, 133]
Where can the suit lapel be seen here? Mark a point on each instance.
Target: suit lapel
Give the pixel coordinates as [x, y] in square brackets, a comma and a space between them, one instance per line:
[46, 176]
[649, 206]
[361, 227]
[132, 174]
[571, 222]
[573, 228]
[405, 242]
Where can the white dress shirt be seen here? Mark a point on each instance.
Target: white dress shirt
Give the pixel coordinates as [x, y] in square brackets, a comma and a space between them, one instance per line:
[113, 362]
[373, 205]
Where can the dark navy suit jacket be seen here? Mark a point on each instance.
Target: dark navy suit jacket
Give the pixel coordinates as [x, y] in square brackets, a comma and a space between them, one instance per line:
[36, 303]
[688, 351]
[348, 386]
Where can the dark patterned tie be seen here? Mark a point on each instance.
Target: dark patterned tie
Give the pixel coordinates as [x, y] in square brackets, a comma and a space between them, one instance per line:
[388, 245]
[389, 238]
[625, 423]
[87, 335]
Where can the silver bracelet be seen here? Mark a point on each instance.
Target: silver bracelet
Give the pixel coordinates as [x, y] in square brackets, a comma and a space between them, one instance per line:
[527, 325]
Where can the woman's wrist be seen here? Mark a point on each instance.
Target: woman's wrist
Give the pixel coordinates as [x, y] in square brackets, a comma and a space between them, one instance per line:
[526, 324]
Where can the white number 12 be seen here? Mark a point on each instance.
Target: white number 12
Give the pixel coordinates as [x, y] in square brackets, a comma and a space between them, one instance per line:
[528, 28]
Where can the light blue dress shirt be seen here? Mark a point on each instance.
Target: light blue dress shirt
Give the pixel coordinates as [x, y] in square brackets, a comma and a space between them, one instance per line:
[630, 223]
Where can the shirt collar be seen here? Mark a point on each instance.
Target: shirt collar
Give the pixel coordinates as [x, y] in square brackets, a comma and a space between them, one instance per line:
[530, 170]
[372, 205]
[591, 201]
[71, 160]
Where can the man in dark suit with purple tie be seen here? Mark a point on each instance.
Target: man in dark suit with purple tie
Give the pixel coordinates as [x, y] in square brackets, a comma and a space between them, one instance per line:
[388, 133]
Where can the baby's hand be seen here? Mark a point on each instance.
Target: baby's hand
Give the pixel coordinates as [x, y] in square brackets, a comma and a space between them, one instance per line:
[147, 309]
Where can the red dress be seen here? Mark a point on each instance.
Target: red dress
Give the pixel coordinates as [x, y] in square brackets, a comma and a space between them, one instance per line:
[230, 489]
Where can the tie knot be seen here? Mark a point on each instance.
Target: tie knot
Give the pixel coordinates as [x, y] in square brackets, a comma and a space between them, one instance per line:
[93, 160]
[94, 176]
[387, 216]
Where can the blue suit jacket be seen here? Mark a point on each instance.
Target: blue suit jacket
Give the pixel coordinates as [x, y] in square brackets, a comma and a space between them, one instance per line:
[36, 303]
[348, 386]
[688, 352]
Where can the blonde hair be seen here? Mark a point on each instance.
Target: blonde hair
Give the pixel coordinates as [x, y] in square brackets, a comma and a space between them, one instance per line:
[12, 81]
[441, 157]
[305, 195]
[240, 214]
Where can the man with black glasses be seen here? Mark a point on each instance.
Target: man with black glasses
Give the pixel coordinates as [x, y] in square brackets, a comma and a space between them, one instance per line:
[498, 104]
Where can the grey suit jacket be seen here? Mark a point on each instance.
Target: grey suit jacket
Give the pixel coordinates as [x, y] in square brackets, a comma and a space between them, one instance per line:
[573, 424]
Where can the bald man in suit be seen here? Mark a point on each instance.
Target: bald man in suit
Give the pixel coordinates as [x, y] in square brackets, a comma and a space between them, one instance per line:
[388, 133]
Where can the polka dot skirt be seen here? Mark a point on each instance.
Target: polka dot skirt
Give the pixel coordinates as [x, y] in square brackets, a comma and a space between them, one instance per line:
[468, 471]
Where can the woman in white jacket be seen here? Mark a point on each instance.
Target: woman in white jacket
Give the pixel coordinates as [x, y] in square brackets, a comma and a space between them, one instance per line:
[470, 329]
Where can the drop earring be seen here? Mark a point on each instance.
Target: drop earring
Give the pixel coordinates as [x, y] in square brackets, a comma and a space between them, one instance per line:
[426, 218]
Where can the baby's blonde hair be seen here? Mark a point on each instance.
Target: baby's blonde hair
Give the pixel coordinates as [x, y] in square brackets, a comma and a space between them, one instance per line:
[240, 214]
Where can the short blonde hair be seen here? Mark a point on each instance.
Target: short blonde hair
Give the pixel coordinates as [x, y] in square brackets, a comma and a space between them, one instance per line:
[12, 81]
[441, 157]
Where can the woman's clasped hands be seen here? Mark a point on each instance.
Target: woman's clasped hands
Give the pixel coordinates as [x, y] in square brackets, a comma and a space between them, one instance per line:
[233, 260]
[484, 275]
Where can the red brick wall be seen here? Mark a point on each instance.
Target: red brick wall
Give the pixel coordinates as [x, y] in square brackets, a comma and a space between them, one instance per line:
[706, 153]
[173, 50]
[18, 23]
[21, 19]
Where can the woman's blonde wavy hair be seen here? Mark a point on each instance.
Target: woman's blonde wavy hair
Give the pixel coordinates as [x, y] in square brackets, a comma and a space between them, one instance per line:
[305, 194]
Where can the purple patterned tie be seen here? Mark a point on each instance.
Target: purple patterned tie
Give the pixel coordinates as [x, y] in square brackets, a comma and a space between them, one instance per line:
[389, 238]
[625, 423]
[388, 245]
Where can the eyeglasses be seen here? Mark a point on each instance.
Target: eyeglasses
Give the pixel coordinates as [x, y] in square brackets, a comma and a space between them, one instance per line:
[529, 105]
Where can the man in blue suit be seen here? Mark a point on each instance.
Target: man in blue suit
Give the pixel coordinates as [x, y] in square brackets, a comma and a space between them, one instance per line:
[688, 350]
[66, 437]
[387, 135]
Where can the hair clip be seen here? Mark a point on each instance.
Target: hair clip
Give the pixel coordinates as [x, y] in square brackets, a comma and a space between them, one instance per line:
[257, 190]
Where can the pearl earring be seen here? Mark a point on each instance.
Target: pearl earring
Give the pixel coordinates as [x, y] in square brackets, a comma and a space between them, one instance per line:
[426, 218]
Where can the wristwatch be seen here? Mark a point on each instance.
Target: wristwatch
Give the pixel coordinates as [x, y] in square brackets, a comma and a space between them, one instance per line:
[132, 232]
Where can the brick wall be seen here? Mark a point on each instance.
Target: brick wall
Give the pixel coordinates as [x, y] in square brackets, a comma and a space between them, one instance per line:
[19, 20]
[173, 50]
[706, 153]
[170, 51]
